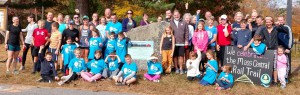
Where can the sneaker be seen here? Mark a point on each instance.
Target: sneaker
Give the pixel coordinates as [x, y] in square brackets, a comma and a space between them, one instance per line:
[155, 80]
[39, 80]
[63, 77]
[218, 88]
[177, 71]
[7, 72]
[22, 68]
[283, 86]
[49, 81]
[16, 72]
[274, 83]
[181, 72]
[60, 83]
[145, 79]
[119, 84]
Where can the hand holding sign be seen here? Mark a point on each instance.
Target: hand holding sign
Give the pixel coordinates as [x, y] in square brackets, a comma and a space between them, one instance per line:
[240, 46]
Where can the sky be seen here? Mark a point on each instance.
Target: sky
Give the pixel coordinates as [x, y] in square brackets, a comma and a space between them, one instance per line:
[283, 3]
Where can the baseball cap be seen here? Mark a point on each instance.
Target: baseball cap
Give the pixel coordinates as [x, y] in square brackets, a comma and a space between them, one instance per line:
[224, 16]
[72, 22]
[85, 17]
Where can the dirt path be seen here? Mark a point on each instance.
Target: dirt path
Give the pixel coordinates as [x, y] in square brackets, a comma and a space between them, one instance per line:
[31, 90]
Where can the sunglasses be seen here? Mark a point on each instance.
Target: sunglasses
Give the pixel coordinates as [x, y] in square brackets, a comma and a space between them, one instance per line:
[129, 13]
[76, 17]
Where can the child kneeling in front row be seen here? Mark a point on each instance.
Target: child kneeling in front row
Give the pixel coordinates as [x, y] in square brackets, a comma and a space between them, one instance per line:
[154, 69]
[76, 66]
[211, 72]
[192, 65]
[127, 75]
[225, 79]
[47, 67]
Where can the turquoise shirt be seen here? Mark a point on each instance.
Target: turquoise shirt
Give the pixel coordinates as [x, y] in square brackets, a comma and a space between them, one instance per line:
[226, 76]
[211, 75]
[260, 49]
[154, 67]
[68, 52]
[62, 27]
[127, 69]
[114, 27]
[121, 49]
[94, 46]
[96, 66]
[77, 65]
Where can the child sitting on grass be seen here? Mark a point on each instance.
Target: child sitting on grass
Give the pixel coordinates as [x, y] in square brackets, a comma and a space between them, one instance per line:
[127, 75]
[76, 66]
[211, 72]
[47, 67]
[154, 69]
[113, 62]
[192, 65]
[225, 80]
[96, 67]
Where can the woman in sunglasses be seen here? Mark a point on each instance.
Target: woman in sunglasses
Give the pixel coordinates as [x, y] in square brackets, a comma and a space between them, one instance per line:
[128, 23]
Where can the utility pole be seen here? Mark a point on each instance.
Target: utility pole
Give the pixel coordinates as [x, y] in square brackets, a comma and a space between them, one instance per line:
[289, 13]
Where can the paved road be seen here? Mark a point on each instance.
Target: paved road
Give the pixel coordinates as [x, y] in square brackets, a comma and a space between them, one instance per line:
[31, 90]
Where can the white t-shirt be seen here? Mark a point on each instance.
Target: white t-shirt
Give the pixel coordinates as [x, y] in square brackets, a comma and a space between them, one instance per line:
[101, 29]
[193, 65]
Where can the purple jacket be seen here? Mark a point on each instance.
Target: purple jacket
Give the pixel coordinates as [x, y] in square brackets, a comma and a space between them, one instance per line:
[143, 23]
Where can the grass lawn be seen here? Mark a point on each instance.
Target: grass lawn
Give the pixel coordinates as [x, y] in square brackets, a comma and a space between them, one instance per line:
[169, 84]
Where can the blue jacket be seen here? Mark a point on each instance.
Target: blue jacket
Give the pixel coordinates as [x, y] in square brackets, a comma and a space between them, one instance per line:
[285, 36]
[125, 22]
[243, 37]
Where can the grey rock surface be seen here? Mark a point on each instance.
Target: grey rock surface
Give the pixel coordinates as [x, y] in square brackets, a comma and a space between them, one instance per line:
[151, 32]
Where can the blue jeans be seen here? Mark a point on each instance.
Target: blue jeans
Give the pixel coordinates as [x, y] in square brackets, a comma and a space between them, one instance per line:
[204, 83]
[225, 86]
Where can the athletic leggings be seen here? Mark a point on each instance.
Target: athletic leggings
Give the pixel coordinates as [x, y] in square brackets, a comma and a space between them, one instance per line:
[25, 51]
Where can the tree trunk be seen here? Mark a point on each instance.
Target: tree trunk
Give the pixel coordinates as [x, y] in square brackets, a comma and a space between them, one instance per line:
[83, 6]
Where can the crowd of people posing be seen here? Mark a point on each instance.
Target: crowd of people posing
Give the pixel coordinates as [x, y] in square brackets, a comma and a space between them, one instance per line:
[97, 49]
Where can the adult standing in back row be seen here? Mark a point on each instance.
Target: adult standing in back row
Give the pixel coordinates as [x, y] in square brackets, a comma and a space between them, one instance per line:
[223, 38]
[128, 23]
[113, 26]
[12, 44]
[28, 39]
[181, 33]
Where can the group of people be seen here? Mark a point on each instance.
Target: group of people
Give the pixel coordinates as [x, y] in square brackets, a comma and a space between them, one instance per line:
[97, 49]
[192, 42]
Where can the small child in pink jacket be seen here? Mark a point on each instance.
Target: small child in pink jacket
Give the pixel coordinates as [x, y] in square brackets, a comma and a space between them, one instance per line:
[281, 66]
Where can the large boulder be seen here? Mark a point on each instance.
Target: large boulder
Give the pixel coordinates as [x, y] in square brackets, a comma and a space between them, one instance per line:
[145, 41]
